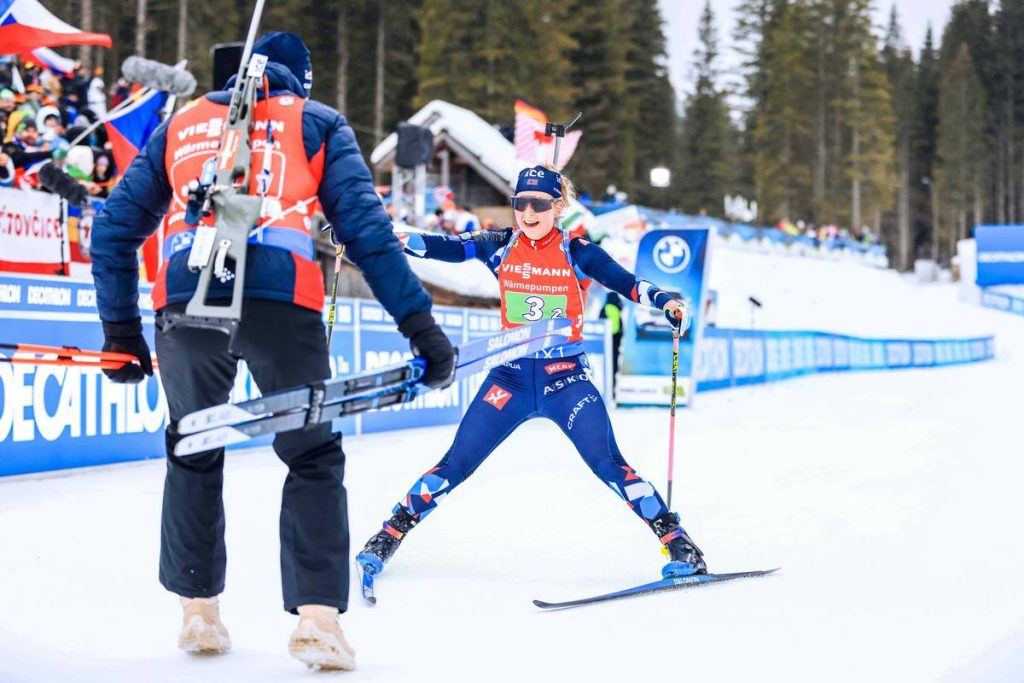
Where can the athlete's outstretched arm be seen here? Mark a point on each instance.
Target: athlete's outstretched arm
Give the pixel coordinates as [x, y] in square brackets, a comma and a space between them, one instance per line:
[596, 263]
[481, 244]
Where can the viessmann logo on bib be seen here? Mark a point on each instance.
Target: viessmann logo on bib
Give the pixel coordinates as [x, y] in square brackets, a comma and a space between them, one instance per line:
[527, 270]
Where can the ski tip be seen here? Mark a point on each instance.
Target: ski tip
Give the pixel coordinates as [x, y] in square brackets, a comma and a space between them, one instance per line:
[541, 604]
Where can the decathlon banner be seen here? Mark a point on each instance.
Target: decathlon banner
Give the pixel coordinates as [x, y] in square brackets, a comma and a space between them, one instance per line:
[32, 237]
[1000, 254]
[55, 418]
[676, 261]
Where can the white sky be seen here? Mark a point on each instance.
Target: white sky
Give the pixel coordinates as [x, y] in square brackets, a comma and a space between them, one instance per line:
[681, 17]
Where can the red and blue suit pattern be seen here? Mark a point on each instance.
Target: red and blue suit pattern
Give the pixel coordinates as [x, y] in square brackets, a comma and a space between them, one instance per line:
[537, 279]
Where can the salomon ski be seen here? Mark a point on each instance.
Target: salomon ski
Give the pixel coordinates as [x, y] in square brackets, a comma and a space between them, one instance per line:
[656, 587]
[281, 411]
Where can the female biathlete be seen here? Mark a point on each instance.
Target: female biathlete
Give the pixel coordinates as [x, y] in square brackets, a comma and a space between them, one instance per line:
[542, 272]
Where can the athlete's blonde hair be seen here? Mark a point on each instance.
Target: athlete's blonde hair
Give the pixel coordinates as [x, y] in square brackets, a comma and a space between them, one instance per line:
[568, 189]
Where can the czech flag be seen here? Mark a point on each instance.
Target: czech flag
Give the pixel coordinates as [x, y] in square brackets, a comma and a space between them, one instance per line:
[56, 63]
[26, 25]
[130, 128]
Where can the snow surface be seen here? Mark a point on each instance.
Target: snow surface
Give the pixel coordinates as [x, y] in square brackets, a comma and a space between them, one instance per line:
[890, 500]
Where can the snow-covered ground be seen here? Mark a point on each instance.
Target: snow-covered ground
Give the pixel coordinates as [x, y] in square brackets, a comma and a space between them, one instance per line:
[890, 500]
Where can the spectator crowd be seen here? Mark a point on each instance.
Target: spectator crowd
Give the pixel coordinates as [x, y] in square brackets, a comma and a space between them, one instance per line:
[47, 116]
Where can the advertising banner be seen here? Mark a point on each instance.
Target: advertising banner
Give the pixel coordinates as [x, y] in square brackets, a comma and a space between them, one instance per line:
[676, 261]
[733, 358]
[1000, 254]
[55, 418]
[32, 236]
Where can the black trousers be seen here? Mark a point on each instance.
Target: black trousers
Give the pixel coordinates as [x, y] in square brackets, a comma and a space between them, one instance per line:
[284, 345]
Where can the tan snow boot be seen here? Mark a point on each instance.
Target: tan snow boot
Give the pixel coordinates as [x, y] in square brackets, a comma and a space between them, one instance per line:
[201, 629]
[318, 641]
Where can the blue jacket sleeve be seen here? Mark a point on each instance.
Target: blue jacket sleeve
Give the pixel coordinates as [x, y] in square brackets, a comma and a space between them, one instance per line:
[596, 263]
[357, 215]
[481, 245]
[131, 214]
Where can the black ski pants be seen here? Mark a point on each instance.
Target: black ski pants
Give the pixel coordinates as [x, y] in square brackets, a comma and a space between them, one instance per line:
[284, 345]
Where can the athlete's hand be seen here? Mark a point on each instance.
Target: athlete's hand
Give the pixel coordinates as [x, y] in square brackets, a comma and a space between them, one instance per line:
[677, 314]
[430, 343]
[126, 337]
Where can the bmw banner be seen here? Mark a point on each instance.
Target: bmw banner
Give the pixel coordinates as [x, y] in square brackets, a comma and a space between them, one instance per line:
[676, 261]
[1000, 254]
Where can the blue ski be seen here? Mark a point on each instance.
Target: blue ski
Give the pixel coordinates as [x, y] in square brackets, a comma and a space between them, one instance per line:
[366, 580]
[656, 587]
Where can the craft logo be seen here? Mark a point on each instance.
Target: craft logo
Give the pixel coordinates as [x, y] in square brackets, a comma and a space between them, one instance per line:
[497, 397]
[559, 367]
[671, 254]
[590, 398]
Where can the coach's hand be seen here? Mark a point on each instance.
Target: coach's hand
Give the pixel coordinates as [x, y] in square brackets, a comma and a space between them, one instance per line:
[430, 343]
[126, 337]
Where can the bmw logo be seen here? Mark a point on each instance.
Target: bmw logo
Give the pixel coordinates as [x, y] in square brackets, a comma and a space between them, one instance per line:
[671, 254]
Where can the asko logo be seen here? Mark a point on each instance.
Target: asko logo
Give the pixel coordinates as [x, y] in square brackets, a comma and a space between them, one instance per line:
[497, 397]
[559, 367]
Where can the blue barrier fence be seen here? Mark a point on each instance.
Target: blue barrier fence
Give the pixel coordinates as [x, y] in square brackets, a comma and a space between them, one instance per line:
[1002, 301]
[55, 417]
[731, 358]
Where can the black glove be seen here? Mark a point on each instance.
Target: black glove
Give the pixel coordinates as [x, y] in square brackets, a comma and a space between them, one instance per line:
[126, 337]
[429, 343]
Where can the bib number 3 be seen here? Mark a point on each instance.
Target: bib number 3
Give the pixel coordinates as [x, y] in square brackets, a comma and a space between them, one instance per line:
[536, 309]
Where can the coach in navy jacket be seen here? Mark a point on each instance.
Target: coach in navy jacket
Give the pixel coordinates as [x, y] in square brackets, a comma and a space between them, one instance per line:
[281, 337]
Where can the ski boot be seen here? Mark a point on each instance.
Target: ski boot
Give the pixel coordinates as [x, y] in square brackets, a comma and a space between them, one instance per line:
[318, 641]
[685, 558]
[202, 632]
[385, 542]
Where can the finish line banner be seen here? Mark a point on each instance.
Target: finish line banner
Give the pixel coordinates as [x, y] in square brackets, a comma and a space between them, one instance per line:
[1000, 254]
[675, 261]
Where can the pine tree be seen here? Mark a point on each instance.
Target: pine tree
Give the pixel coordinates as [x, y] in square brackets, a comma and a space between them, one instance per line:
[598, 77]
[707, 136]
[899, 68]
[961, 169]
[782, 170]
[924, 140]
[651, 100]
[971, 25]
[1009, 45]
[484, 53]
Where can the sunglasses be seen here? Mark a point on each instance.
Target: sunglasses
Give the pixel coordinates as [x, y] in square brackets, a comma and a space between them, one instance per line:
[539, 204]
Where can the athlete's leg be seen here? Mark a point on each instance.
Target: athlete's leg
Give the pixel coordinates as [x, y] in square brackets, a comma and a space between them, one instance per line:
[570, 399]
[505, 400]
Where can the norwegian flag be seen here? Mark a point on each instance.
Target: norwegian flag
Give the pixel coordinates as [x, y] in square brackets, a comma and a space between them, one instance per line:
[532, 145]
